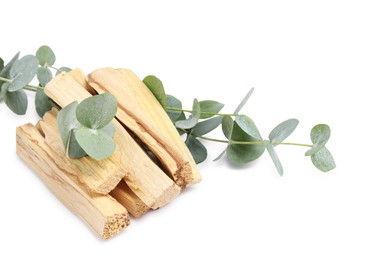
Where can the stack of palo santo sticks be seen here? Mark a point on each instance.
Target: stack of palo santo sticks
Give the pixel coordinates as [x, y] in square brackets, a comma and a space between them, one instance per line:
[149, 168]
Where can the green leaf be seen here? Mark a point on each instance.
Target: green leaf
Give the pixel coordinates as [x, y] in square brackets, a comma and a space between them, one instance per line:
[74, 149]
[6, 70]
[156, 87]
[22, 72]
[319, 135]
[62, 69]
[248, 126]
[274, 157]
[227, 126]
[209, 106]
[44, 75]
[323, 160]
[17, 101]
[95, 142]
[45, 56]
[67, 121]
[1, 64]
[43, 103]
[197, 149]
[243, 102]
[283, 130]
[193, 119]
[97, 111]
[243, 153]
[173, 103]
[3, 90]
[109, 129]
[207, 126]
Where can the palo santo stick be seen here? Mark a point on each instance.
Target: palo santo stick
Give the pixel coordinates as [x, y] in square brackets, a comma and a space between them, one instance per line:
[140, 111]
[144, 178]
[129, 200]
[105, 216]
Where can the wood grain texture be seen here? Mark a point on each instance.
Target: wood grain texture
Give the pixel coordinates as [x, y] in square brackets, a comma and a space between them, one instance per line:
[139, 110]
[103, 214]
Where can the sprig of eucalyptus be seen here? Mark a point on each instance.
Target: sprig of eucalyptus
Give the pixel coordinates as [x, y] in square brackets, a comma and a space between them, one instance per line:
[243, 139]
[87, 129]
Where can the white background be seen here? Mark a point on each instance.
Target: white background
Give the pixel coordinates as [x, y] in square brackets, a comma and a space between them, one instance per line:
[318, 61]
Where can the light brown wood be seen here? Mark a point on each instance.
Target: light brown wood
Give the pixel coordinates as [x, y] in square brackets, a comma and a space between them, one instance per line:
[103, 214]
[145, 179]
[125, 196]
[143, 115]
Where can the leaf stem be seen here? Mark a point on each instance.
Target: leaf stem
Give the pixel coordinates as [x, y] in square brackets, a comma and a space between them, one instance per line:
[243, 142]
[5, 79]
[33, 88]
[54, 68]
[203, 113]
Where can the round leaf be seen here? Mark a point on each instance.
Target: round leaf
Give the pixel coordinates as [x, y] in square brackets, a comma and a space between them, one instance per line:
[6, 70]
[44, 75]
[96, 143]
[174, 103]
[63, 69]
[209, 106]
[45, 56]
[43, 103]
[197, 149]
[3, 90]
[67, 121]
[22, 72]
[323, 160]
[283, 130]
[97, 111]
[1, 64]
[319, 135]
[17, 101]
[207, 126]
[243, 153]
[109, 129]
[274, 157]
[248, 126]
[192, 120]
[156, 87]
[74, 149]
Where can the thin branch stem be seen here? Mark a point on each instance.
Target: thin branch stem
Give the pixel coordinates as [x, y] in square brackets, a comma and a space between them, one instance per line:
[243, 142]
[5, 79]
[33, 88]
[203, 113]
[54, 68]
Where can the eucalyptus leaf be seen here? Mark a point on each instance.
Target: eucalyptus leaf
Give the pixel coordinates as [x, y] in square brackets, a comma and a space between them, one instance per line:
[1, 64]
[62, 69]
[109, 129]
[283, 130]
[243, 102]
[22, 72]
[95, 142]
[43, 103]
[156, 87]
[207, 126]
[192, 120]
[3, 91]
[220, 155]
[44, 75]
[45, 56]
[197, 149]
[248, 126]
[5, 72]
[274, 156]
[173, 103]
[67, 121]
[209, 106]
[181, 117]
[74, 149]
[323, 160]
[243, 153]
[227, 126]
[16, 101]
[97, 111]
[319, 135]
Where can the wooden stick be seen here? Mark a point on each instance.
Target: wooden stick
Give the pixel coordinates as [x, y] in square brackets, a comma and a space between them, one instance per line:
[144, 178]
[140, 111]
[125, 196]
[104, 215]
